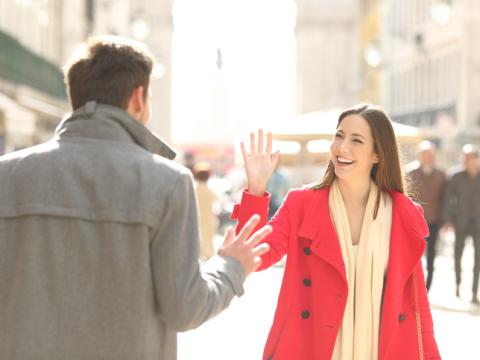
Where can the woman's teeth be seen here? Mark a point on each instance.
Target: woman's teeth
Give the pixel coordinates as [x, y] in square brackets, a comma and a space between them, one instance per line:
[344, 161]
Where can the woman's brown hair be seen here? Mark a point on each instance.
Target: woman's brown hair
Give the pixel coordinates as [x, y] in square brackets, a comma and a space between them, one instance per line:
[387, 173]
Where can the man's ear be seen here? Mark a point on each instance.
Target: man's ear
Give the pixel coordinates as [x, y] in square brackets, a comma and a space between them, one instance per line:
[136, 103]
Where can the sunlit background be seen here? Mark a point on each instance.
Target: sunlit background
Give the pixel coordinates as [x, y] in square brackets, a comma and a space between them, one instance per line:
[228, 67]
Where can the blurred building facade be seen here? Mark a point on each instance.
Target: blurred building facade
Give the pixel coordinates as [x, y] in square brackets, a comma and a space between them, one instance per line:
[38, 36]
[328, 61]
[432, 62]
[32, 92]
[151, 22]
[371, 59]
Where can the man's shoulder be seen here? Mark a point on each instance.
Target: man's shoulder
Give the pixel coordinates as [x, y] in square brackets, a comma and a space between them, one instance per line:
[160, 165]
[27, 153]
[456, 172]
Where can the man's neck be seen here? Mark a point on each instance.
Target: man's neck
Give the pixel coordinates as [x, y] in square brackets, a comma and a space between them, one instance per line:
[427, 169]
[473, 172]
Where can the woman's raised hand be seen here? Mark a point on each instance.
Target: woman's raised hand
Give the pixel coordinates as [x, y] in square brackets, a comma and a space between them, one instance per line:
[260, 163]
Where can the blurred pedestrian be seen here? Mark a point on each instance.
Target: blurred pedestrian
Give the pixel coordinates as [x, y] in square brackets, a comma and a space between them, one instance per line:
[189, 160]
[462, 211]
[206, 200]
[278, 186]
[353, 284]
[429, 184]
[99, 230]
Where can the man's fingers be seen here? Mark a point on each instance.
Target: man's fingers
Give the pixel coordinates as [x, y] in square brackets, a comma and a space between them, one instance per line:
[257, 262]
[261, 249]
[259, 235]
[248, 227]
[229, 236]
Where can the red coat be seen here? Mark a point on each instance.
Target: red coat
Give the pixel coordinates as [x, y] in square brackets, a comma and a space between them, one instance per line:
[314, 290]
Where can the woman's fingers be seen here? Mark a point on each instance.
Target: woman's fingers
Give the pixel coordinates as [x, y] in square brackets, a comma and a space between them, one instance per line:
[275, 158]
[252, 144]
[257, 147]
[260, 141]
[244, 151]
[268, 149]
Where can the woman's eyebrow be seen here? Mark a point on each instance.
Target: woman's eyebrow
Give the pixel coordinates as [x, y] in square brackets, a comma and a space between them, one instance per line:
[353, 134]
[359, 135]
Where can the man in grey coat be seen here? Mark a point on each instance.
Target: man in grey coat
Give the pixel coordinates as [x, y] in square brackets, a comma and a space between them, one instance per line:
[99, 229]
[462, 211]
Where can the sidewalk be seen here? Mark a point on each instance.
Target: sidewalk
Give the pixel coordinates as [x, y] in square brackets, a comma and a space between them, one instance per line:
[456, 320]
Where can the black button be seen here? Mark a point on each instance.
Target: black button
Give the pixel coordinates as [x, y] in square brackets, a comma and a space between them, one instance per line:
[270, 358]
[305, 314]
[307, 250]
[401, 317]
[307, 282]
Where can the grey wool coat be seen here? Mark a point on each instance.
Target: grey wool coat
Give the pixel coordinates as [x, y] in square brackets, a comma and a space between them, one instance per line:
[99, 246]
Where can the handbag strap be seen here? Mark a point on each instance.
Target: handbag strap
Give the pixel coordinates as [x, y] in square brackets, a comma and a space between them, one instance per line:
[417, 316]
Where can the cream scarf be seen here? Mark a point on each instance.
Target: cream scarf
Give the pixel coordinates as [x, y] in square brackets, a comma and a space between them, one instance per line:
[365, 270]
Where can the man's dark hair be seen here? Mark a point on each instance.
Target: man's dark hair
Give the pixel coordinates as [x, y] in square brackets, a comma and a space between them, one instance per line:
[107, 70]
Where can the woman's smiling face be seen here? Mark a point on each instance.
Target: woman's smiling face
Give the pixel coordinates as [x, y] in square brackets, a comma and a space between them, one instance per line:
[352, 148]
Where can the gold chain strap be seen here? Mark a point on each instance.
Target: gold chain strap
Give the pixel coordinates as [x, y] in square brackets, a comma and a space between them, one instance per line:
[417, 316]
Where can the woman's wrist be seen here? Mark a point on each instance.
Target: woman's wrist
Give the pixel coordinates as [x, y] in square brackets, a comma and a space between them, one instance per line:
[256, 190]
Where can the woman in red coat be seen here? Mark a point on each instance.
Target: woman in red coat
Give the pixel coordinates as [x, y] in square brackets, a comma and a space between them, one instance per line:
[353, 287]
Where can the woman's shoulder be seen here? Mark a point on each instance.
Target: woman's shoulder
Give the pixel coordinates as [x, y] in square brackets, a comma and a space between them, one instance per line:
[410, 211]
[404, 201]
[301, 196]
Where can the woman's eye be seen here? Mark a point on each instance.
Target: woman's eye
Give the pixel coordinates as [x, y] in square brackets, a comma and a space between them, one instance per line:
[338, 135]
[357, 141]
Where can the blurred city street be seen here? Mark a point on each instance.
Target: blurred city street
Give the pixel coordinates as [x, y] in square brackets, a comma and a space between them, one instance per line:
[240, 332]
[218, 71]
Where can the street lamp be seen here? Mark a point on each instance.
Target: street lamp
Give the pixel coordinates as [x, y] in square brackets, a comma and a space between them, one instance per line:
[140, 26]
[441, 11]
[373, 55]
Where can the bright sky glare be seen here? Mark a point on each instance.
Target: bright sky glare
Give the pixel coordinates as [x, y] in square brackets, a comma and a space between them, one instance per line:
[256, 84]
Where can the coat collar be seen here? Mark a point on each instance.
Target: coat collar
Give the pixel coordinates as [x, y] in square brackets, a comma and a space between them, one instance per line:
[107, 122]
[407, 244]
[408, 228]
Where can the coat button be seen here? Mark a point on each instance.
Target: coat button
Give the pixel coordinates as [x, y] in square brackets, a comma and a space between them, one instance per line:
[307, 282]
[307, 250]
[401, 317]
[305, 314]
[270, 358]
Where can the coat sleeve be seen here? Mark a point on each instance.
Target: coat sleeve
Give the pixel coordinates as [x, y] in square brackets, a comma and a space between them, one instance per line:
[428, 337]
[281, 222]
[186, 294]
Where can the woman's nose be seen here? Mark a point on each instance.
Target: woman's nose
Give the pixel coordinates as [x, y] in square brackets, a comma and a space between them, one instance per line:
[343, 146]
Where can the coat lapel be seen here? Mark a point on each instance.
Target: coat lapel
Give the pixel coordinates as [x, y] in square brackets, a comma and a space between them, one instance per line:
[317, 225]
[407, 244]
